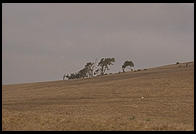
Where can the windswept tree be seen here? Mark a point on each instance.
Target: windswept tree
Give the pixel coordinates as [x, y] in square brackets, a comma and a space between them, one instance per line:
[89, 69]
[127, 63]
[95, 68]
[83, 73]
[104, 65]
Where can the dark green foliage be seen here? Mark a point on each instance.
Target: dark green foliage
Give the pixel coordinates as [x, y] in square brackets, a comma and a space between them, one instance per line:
[96, 72]
[83, 73]
[89, 69]
[104, 65]
[127, 63]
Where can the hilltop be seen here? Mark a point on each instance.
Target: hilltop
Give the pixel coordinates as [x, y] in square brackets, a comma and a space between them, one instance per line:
[160, 98]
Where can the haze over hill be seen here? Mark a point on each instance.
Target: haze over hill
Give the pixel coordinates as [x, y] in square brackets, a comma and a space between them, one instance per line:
[41, 42]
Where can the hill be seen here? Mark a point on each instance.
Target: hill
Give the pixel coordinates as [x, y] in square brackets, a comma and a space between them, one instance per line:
[160, 98]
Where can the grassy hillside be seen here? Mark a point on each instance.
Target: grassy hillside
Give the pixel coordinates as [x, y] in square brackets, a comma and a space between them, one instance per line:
[160, 98]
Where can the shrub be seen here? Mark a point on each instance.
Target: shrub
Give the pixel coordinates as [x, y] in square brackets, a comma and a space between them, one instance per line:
[177, 62]
[132, 118]
[127, 63]
[148, 119]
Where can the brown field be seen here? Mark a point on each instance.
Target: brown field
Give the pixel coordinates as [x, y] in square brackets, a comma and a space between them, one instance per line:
[111, 102]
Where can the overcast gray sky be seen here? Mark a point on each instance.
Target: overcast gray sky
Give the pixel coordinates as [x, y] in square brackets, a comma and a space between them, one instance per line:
[41, 42]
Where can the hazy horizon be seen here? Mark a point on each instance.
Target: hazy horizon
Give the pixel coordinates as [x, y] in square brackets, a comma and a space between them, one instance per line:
[41, 42]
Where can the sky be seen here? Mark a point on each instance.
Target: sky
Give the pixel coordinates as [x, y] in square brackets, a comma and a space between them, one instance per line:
[42, 41]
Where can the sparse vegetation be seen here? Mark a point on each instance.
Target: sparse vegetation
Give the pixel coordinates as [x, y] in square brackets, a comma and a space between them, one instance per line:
[89, 69]
[104, 64]
[148, 119]
[126, 64]
[132, 118]
[112, 102]
[177, 62]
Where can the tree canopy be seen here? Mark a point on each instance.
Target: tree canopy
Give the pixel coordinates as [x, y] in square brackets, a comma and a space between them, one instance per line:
[87, 71]
[104, 65]
[127, 63]
[93, 68]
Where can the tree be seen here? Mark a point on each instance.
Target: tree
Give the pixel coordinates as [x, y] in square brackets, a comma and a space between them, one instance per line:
[82, 73]
[89, 69]
[127, 63]
[104, 65]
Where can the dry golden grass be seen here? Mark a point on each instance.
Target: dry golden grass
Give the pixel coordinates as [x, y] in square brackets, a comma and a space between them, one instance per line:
[111, 102]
